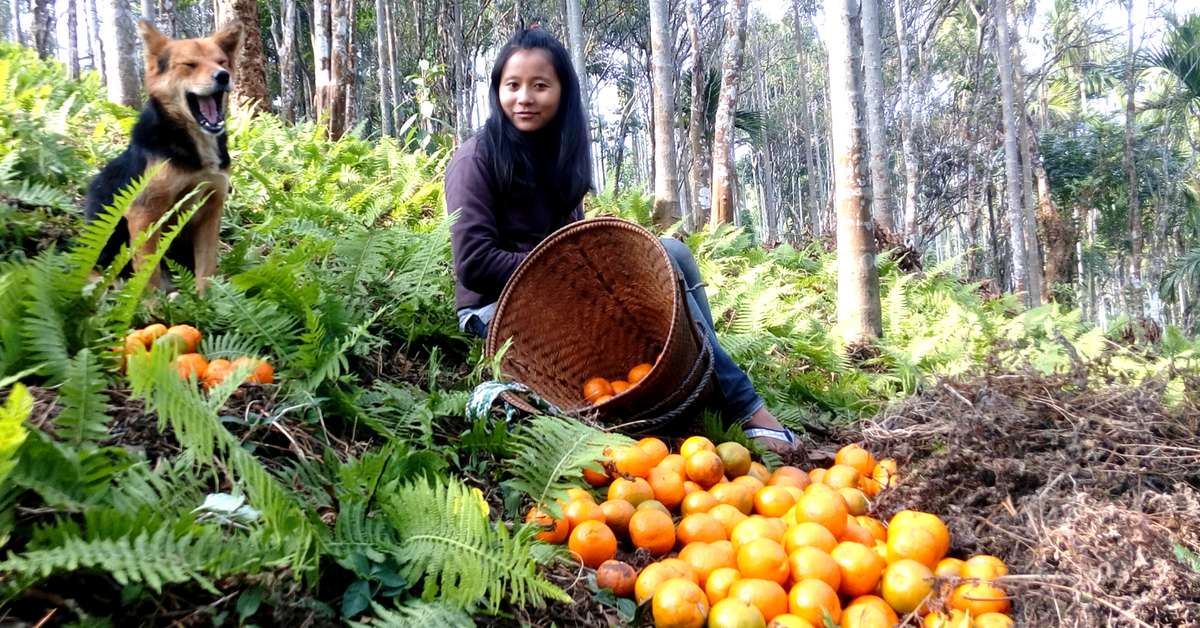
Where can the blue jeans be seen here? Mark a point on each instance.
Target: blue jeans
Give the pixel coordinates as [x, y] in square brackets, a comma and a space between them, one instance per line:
[741, 400]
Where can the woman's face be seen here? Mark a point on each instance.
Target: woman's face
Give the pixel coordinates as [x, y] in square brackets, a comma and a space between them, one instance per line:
[530, 90]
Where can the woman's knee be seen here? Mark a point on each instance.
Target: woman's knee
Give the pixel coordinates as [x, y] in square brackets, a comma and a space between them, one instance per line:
[681, 256]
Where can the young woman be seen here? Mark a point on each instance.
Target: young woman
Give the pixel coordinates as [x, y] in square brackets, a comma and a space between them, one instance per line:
[524, 176]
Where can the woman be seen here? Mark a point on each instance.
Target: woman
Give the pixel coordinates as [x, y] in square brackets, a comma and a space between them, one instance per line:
[524, 176]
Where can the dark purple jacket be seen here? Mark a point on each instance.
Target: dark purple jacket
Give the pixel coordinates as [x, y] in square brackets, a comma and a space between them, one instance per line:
[491, 236]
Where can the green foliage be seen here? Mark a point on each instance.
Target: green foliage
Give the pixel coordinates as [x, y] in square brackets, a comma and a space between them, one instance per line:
[420, 613]
[83, 420]
[16, 409]
[552, 456]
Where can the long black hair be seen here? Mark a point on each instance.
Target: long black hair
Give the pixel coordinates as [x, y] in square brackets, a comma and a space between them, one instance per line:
[511, 152]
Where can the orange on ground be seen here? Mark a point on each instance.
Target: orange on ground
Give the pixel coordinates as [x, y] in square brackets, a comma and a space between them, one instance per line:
[150, 333]
[821, 488]
[768, 597]
[810, 563]
[874, 526]
[705, 468]
[865, 616]
[263, 373]
[216, 373]
[652, 578]
[956, 619]
[827, 509]
[690, 487]
[905, 585]
[948, 567]
[857, 457]
[759, 472]
[877, 602]
[926, 520]
[655, 504]
[983, 567]
[841, 476]
[751, 482]
[719, 581]
[680, 603]
[706, 559]
[993, 620]
[796, 475]
[188, 333]
[735, 494]
[697, 501]
[582, 510]
[735, 613]
[667, 487]
[655, 448]
[617, 513]
[765, 559]
[809, 598]
[619, 386]
[676, 463]
[638, 373]
[817, 475]
[618, 576]
[783, 481]
[856, 501]
[725, 544]
[634, 491]
[788, 620]
[593, 543]
[689, 572]
[699, 527]
[796, 493]
[596, 478]
[652, 530]
[728, 516]
[773, 501]
[912, 542]
[861, 568]
[977, 599]
[189, 363]
[735, 457]
[809, 534]
[557, 534]
[754, 528]
[578, 493]
[596, 388]
[632, 460]
[694, 444]
[858, 534]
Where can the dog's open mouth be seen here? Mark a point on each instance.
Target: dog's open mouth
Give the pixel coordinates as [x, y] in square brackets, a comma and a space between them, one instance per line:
[207, 111]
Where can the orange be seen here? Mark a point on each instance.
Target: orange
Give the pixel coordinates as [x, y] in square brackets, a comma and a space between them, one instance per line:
[783, 481]
[811, 563]
[765, 559]
[705, 468]
[735, 613]
[865, 616]
[667, 487]
[697, 501]
[655, 504]
[856, 501]
[617, 513]
[189, 363]
[796, 475]
[809, 599]
[877, 602]
[983, 567]
[653, 576]
[699, 527]
[601, 399]
[634, 491]
[655, 448]
[725, 544]
[993, 620]
[695, 444]
[788, 620]
[857, 457]
[759, 472]
[680, 603]
[842, 476]
[688, 572]
[861, 568]
[596, 478]
[690, 487]
[150, 333]
[906, 584]
[912, 542]
[928, 521]
[676, 463]
[596, 388]
[827, 509]
[719, 581]
[817, 475]
[880, 549]
[619, 387]
[618, 576]
[189, 334]
[809, 534]
[706, 559]
[263, 373]
[767, 596]
[578, 493]
[557, 534]
[753, 483]
[754, 528]
[874, 526]
[948, 567]
[735, 494]
[593, 542]
[216, 373]
[632, 460]
[977, 599]
[582, 510]
[652, 530]
[956, 619]
[773, 501]
[796, 493]
[727, 515]
[858, 534]
[735, 457]
[638, 373]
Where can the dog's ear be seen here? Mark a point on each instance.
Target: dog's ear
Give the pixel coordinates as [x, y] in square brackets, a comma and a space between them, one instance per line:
[153, 39]
[229, 39]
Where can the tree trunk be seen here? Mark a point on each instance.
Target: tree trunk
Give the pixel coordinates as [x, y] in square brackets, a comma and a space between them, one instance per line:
[881, 185]
[339, 53]
[770, 203]
[42, 29]
[287, 62]
[666, 162]
[322, 73]
[458, 68]
[250, 79]
[701, 197]
[1033, 255]
[1012, 164]
[904, 113]
[859, 311]
[1059, 238]
[385, 89]
[1134, 289]
[724, 136]
[814, 215]
[393, 74]
[72, 41]
[95, 42]
[122, 58]
[18, 35]
[148, 11]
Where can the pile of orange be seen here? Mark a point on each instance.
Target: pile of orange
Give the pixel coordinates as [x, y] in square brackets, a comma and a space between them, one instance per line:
[183, 341]
[738, 546]
[598, 390]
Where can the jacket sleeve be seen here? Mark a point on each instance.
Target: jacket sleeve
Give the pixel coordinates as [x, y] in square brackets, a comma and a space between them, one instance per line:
[481, 265]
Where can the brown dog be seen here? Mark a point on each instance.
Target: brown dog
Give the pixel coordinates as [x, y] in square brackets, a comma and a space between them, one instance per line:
[183, 128]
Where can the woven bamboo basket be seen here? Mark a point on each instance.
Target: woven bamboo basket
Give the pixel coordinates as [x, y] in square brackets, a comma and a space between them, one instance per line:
[595, 299]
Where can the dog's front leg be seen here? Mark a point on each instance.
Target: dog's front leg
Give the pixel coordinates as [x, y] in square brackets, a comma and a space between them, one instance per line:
[206, 238]
[139, 218]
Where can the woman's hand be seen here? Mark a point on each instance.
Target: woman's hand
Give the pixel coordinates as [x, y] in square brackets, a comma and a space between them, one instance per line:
[772, 434]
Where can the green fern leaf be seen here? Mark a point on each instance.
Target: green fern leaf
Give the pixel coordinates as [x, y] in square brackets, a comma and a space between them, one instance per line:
[552, 456]
[16, 409]
[227, 346]
[420, 614]
[44, 326]
[83, 422]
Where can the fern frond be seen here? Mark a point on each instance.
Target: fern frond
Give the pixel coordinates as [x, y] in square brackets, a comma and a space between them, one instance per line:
[44, 325]
[358, 532]
[95, 235]
[227, 346]
[447, 540]
[420, 614]
[83, 422]
[552, 455]
[16, 409]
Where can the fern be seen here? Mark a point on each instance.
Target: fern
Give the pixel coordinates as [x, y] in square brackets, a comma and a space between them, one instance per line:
[552, 455]
[83, 422]
[447, 541]
[420, 614]
[16, 409]
[45, 329]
